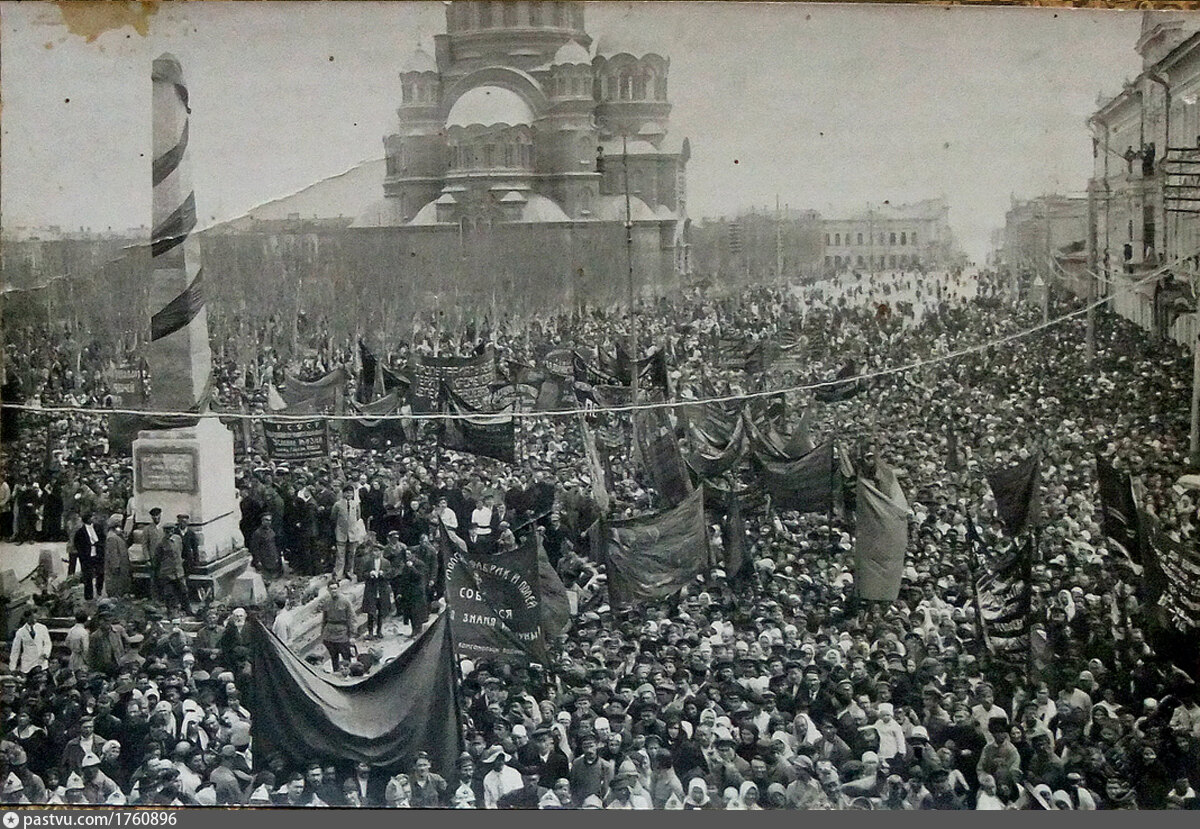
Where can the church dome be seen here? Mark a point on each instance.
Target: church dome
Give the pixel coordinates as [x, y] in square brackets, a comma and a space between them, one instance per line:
[489, 105]
[636, 44]
[418, 61]
[571, 53]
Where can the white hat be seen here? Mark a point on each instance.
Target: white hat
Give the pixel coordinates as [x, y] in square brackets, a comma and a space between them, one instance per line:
[89, 759]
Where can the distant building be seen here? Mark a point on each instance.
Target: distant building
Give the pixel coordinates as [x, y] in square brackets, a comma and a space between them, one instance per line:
[1039, 231]
[758, 246]
[901, 237]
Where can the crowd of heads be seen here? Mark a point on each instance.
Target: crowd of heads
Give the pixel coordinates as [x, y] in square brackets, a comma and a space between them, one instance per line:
[778, 691]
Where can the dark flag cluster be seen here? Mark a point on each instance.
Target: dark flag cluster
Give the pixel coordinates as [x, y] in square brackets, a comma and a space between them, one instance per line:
[1004, 593]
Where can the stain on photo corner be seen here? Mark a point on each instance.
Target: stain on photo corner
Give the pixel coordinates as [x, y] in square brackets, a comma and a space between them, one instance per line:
[91, 18]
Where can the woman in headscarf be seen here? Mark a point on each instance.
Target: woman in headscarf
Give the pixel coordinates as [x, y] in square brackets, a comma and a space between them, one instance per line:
[697, 795]
[118, 572]
[732, 800]
[749, 796]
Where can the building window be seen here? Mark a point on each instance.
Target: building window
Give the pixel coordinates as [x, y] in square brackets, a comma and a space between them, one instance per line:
[882, 239]
[510, 13]
[535, 12]
[903, 238]
[913, 236]
[891, 238]
[826, 238]
[837, 239]
[508, 155]
[829, 261]
[489, 155]
[860, 261]
[626, 88]
[892, 261]
[639, 87]
[860, 242]
[557, 11]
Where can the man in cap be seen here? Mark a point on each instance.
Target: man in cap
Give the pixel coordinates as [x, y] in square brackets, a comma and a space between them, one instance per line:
[501, 778]
[87, 547]
[32, 785]
[428, 788]
[189, 540]
[337, 625]
[168, 565]
[542, 752]
[530, 794]
[225, 782]
[97, 786]
[591, 774]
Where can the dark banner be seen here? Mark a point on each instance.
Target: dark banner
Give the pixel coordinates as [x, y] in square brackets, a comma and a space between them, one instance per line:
[653, 556]
[494, 604]
[372, 431]
[839, 391]
[881, 537]
[296, 440]
[1119, 513]
[310, 396]
[1018, 494]
[471, 378]
[805, 484]
[407, 706]
[492, 436]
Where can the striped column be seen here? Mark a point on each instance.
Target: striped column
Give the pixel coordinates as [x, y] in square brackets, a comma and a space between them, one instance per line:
[179, 356]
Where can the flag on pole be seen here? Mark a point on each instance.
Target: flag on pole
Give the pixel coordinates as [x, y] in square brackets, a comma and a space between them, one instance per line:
[1017, 490]
[1118, 511]
[881, 536]
[653, 556]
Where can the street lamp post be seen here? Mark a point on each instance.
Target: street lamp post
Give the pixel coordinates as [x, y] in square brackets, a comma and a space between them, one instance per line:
[633, 340]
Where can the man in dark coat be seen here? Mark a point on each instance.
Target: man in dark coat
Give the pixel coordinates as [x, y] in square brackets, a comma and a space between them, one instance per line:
[412, 598]
[375, 572]
[87, 547]
[264, 555]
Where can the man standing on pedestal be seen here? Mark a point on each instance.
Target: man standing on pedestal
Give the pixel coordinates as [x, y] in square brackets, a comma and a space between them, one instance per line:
[337, 626]
[169, 567]
[346, 518]
[189, 540]
[152, 537]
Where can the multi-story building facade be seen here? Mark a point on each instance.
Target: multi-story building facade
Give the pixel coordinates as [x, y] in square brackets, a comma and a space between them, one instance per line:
[888, 238]
[1144, 193]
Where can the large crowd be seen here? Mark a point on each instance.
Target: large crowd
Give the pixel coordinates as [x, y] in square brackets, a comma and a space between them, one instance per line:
[781, 692]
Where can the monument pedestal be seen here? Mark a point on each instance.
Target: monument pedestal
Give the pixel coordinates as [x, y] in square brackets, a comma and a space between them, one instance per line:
[190, 470]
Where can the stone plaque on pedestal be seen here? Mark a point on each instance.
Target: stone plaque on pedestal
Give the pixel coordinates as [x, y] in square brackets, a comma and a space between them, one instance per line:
[190, 470]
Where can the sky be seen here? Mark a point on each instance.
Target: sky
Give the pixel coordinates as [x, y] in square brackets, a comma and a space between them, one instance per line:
[828, 107]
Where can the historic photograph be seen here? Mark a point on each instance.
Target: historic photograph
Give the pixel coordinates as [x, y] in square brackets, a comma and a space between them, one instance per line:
[599, 405]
